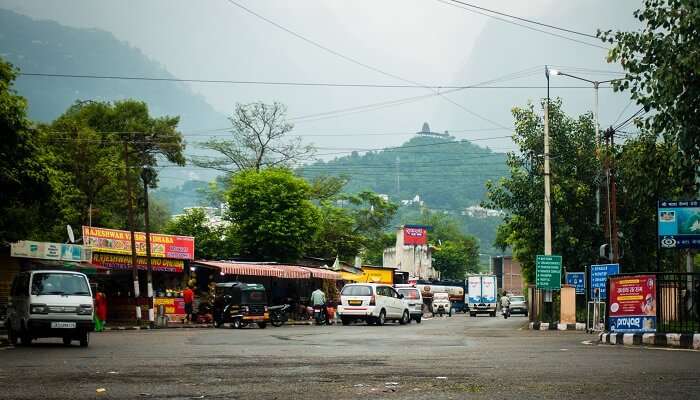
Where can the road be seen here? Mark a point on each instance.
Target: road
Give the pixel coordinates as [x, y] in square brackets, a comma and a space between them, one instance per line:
[442, 358]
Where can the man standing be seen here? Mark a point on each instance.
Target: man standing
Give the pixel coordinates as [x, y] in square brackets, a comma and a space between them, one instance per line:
[188, 297]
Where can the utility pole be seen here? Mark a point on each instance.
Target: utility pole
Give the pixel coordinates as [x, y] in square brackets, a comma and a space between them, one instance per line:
[130, 212]
[398, 179]
[547, 204]
[145, 175]
[611, 194]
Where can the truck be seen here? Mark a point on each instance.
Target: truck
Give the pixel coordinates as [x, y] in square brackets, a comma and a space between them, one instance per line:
[481, 295]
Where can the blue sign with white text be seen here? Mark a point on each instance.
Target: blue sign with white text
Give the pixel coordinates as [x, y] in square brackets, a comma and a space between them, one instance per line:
[679, 224]
[577, 280]
[636, 323]
[599, 276]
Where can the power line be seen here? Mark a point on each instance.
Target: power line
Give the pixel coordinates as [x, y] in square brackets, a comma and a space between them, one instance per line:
[451, 3]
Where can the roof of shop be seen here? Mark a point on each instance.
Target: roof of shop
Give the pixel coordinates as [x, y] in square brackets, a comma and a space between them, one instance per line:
[284, 271]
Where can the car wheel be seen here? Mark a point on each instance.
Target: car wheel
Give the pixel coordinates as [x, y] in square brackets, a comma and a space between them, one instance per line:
[381, 319]
[236, 324]
[67, 340]
[405, 319]
[345, 321]
[418, 319]
[217, 323]
[262, 325]
[85, 339]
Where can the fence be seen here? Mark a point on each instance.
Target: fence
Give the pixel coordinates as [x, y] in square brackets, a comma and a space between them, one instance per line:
[677, 301]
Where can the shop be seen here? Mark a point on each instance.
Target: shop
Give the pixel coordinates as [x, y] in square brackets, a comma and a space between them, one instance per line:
[170, 258]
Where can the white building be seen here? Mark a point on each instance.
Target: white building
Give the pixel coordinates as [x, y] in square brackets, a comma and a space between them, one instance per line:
[416, 260]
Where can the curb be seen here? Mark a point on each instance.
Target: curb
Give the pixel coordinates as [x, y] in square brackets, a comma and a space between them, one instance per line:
[676, 340]
[147, 328]
[546, 326]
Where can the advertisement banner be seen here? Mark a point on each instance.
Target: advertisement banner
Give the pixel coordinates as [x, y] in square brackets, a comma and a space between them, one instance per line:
[119, 242]
[599, 276]
[49, 251]
[415, 235]
[474, 288]
[577, 280]
[119, 261]
[679, 224]
[174, 306]
[633, 303]
[488, 289]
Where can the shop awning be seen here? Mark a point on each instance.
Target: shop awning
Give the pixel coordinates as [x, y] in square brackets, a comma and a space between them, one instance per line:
[293, 271]
[232, 268]
[323, 273]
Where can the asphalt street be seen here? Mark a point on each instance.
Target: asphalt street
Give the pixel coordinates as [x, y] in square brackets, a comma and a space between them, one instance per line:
[442, 358]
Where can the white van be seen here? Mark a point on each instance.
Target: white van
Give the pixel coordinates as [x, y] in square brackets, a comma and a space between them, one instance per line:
[50, 304]
[372, 302]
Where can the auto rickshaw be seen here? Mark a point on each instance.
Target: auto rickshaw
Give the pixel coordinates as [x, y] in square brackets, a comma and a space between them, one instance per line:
[240, 304]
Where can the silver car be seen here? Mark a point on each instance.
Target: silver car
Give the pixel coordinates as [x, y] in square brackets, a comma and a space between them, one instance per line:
[518, 305]
[414, 300]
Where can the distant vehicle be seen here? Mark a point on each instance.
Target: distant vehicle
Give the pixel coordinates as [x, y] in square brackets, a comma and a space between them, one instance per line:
[50, 304]
[413, 299]
[518, 305]
[428, 289]
[481, 296]
[240, 304]
[441, 304]
[373, 303]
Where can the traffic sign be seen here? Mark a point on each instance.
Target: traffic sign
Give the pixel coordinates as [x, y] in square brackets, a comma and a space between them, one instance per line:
[577, 280]
[548, 272]
[599, 276]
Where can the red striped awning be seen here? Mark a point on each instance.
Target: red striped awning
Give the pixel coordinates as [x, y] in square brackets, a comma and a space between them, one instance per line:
[323, 273]
[293, 272]
[232, 268]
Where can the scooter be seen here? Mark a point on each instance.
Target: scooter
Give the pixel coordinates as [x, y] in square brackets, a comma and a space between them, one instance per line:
[279, 314]
[506, 312]
[321, 315]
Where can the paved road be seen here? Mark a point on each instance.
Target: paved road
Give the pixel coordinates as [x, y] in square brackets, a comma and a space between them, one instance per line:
[458, 357]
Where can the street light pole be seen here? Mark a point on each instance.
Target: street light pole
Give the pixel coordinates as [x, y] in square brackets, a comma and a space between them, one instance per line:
[547, 204]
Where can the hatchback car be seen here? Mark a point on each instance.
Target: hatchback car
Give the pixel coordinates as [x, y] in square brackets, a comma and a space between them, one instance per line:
[373, 303]
[414, 300]
[518, 305]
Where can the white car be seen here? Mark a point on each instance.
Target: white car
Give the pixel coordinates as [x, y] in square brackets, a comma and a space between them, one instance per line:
[441, 304]
[414, 300]
[373, 303]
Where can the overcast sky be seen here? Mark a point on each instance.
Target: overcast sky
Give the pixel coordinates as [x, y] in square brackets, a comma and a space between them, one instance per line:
[424, 41]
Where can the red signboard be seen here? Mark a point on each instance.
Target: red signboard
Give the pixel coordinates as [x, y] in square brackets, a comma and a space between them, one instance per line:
[415, 235]
[633, 303]
[120, 261]
[119, 242]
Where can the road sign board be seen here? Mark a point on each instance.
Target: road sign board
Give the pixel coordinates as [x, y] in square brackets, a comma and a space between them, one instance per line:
[548, 272]
[599, 276]
[577, 280]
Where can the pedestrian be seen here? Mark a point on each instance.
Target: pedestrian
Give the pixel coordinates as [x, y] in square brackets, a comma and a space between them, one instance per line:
[188, 297]
[100, 316]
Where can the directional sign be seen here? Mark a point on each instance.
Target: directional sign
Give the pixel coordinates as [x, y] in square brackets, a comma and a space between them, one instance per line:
[577, 280]
[599, 275]
[548, 272]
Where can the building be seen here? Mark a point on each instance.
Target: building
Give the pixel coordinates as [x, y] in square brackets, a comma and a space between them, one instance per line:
[416, 259]
[508, 274]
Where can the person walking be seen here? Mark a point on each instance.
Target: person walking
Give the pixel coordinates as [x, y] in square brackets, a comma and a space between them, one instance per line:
[188, 297]
[100, 311]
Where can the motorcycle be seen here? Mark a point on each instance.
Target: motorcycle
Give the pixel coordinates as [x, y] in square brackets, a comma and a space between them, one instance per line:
[321, 315]
[279, 314]
[506, 312]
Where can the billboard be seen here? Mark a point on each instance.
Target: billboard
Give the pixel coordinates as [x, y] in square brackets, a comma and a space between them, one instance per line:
[599, 275]
[679, 224]
[119, 242]
[50, 251]
[632, 306]
[121, 261]
[415, 235]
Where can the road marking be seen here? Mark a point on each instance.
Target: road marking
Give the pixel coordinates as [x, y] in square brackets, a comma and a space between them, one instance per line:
[587, 342]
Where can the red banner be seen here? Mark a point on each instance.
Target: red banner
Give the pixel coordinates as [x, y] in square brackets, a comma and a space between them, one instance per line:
[415, 235]
[119, 242]
[120, 261]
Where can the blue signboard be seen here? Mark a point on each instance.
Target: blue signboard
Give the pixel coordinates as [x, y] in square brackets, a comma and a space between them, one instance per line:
[577, 280]
[679, 224]
[635, 323]
[599, 275]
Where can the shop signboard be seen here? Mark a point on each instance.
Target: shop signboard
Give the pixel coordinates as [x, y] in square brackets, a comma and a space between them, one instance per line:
[415, 235]
[599, 276]
[632, 303]
[120, 261]
[119, 242]
[548, 272]
[679, 224]
[174, 307]
[50, 251]
[577, 280]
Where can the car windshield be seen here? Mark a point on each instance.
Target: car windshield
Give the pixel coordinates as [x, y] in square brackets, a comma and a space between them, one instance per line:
[253, 297]
[356, 291]
[410, 294]
[55, 283]
[518, 299]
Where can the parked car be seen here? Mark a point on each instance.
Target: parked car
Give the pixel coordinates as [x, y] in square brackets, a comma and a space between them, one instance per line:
[240, 304]
[518, 305]
[414, 300]
[50, 304]
[441, 304]
[373, 303]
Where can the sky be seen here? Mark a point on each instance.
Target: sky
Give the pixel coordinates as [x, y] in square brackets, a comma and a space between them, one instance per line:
[422, 41]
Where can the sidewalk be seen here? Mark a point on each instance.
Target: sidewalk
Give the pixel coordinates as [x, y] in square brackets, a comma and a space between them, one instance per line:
[675, 340]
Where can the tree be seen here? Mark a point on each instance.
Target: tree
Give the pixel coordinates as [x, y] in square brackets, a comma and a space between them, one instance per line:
[24, 186]
[273, 213]
[574, 180]
[663, 74]
[259, 141]
[211, 242]
[336, 236]
[454, 259]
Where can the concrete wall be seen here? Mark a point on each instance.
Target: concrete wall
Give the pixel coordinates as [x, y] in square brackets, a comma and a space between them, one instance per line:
[416, 260]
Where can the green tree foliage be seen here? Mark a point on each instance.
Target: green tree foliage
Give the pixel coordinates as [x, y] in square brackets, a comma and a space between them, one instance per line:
[663, 74]
[273, 213]
[211, 243]
[24, 187]
[336, 236]
[454, 259]
[574, 169]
